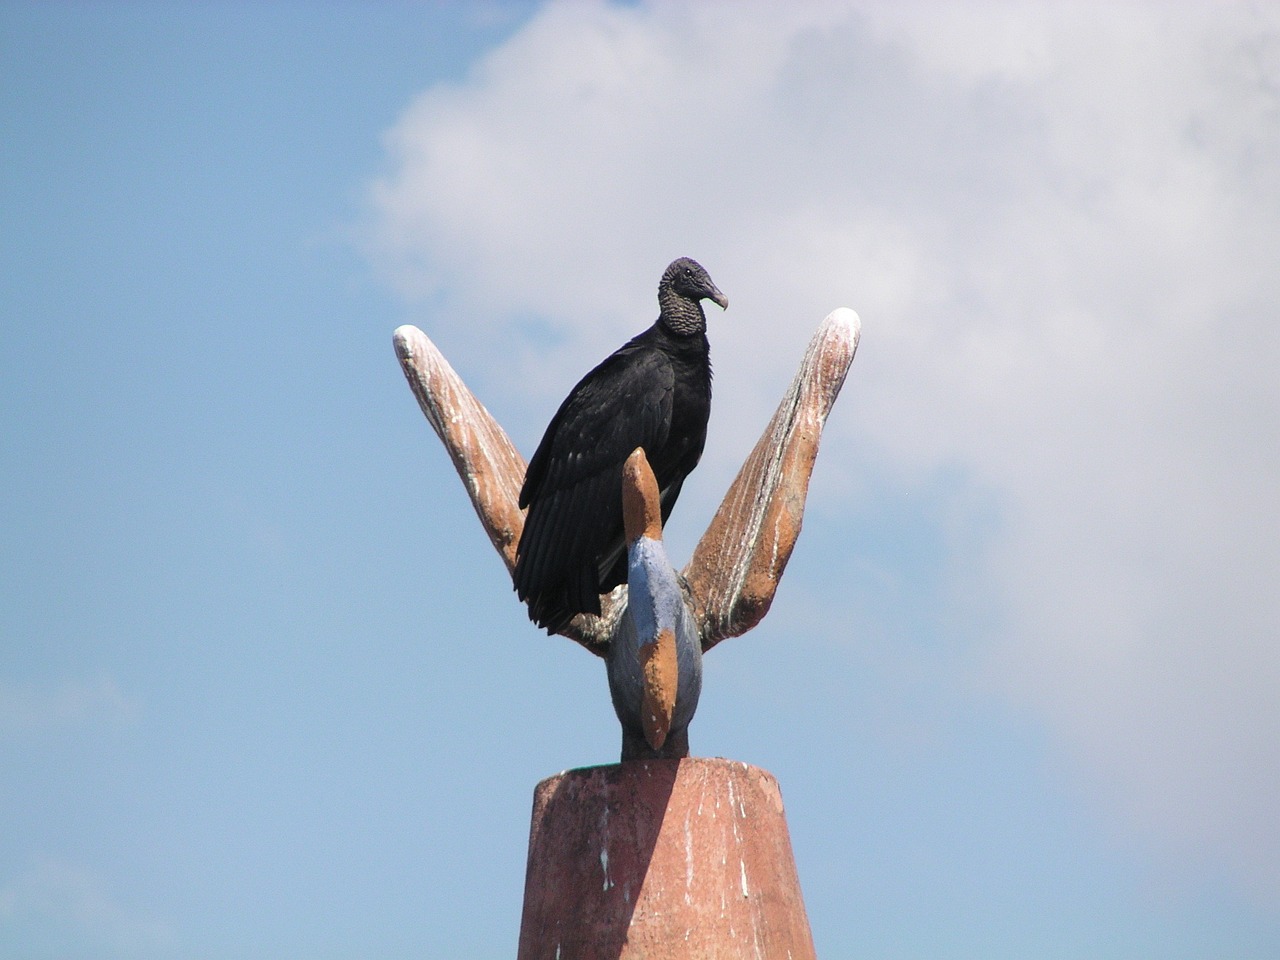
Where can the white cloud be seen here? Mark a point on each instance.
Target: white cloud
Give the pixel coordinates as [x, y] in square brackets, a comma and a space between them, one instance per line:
[1060, 224]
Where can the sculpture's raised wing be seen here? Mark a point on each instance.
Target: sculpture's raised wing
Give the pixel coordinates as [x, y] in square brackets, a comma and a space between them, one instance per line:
[734, 571]
[491, 468]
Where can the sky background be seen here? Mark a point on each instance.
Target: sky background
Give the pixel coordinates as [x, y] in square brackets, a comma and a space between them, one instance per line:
[264, 689]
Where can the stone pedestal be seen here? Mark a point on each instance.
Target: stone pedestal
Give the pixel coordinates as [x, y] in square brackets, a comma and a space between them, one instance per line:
[659, 859]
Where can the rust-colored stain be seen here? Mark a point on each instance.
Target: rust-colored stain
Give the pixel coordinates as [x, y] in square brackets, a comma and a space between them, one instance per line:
[661, 684]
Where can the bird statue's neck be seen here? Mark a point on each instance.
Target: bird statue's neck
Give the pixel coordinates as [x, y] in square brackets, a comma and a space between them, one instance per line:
[681, 315]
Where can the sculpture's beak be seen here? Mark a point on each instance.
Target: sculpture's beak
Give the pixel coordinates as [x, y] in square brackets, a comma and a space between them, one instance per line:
[641, 504]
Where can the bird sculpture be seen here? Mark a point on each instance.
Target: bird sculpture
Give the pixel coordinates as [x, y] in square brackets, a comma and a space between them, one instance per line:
[653, 393]
[653, 633]
[655, 659]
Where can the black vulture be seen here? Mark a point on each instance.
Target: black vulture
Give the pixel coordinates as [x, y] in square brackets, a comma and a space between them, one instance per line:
[653, 392]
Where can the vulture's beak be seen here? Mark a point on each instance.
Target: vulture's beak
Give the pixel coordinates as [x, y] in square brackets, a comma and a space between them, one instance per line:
[717, 297]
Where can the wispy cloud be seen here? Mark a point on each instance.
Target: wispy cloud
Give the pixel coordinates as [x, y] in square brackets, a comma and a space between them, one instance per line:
[1059, 224]
[32, 709]
[52, 898]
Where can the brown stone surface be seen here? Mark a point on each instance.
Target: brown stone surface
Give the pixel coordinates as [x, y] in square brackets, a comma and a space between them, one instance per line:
[658, 859]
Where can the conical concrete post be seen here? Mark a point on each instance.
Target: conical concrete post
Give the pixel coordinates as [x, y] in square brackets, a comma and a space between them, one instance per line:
[659, 860]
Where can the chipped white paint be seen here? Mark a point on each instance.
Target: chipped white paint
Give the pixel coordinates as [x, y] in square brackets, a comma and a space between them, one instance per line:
[604, 850]
[688, 860]
[733, 822]
[604, 866]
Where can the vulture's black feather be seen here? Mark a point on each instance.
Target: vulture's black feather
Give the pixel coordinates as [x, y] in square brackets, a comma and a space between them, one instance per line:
[653, 392]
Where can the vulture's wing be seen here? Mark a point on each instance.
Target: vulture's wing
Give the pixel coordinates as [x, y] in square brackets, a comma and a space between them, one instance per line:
[573, 487]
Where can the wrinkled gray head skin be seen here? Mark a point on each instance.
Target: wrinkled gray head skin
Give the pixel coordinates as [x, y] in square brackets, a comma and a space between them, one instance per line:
[684, 285]
[689, 279]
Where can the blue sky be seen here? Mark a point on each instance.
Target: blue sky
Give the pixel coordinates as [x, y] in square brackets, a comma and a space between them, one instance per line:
[264, 690]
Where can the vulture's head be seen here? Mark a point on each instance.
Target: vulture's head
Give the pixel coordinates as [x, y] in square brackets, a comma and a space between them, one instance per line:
[686, 278]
